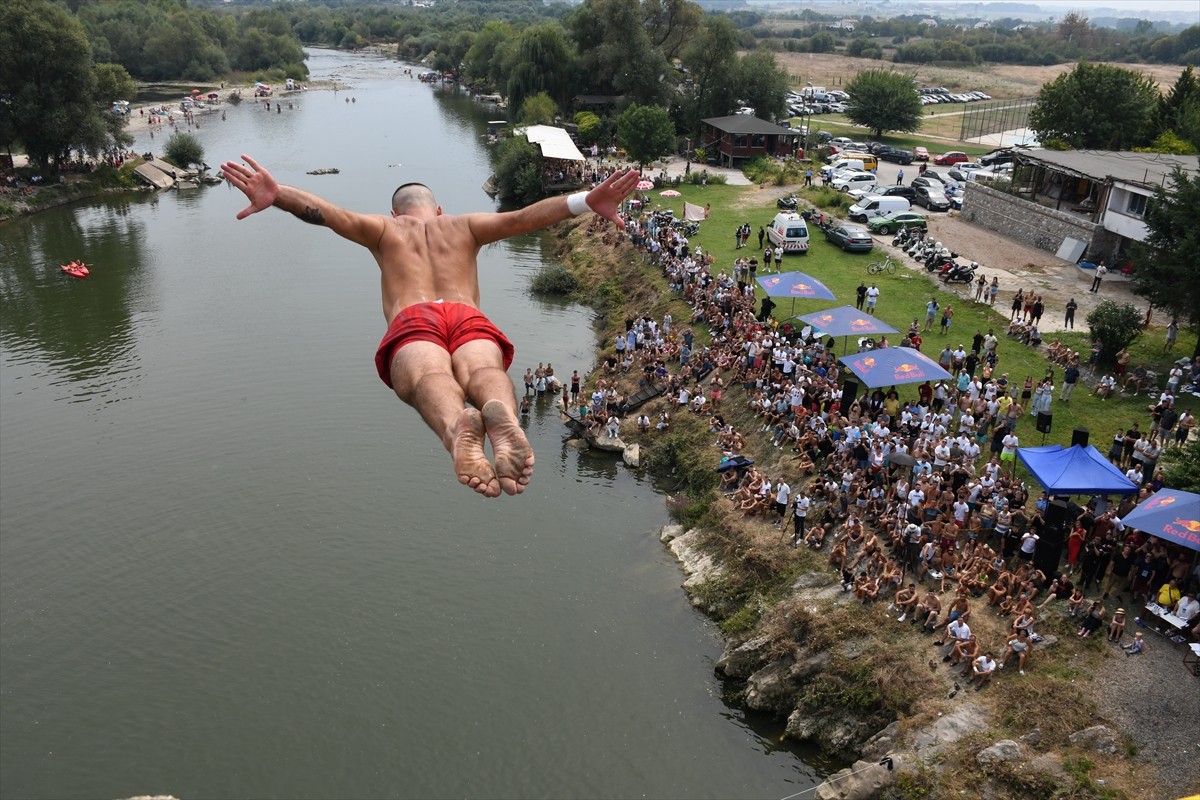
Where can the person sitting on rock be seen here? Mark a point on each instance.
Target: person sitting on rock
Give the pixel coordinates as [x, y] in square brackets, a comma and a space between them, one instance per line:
[1018, 644]
[982, 669]
[928, 610]
[964, 651]
[906, 600]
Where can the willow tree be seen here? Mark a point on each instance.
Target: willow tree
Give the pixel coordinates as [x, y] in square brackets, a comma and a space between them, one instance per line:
[543, 62]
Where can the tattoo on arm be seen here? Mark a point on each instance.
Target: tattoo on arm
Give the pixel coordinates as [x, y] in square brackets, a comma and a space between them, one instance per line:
[312, 215]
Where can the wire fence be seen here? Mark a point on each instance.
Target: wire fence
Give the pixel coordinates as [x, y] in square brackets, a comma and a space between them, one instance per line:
[995, 116]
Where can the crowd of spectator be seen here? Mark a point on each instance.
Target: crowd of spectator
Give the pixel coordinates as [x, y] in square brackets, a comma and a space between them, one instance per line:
[915, 498]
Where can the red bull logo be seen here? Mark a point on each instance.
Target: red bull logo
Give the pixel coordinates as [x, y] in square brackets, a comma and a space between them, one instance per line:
[1184, 531]
[1192, 525]
[824, 319]
[868, 363]
[909, 371]
[771, 282]
[1158, 502]
[862, 325]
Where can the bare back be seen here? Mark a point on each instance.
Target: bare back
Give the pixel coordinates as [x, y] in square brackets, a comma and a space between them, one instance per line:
[426, 259]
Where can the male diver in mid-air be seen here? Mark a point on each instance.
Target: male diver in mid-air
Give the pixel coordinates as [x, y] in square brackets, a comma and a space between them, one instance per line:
[440, 351]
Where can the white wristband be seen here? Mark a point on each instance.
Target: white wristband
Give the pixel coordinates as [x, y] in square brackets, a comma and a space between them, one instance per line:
[577, 203]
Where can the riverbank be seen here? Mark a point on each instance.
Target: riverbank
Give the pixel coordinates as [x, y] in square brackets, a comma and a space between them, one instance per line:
[847, 676]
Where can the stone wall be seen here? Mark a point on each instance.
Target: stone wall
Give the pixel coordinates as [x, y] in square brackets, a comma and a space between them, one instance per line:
[1026, 221]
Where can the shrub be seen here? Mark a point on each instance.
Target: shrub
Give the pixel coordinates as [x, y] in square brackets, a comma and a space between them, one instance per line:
[554, 279]
[183, 149]
[1115, 326]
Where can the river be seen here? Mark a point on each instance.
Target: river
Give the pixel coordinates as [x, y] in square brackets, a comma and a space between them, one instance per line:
[232, 564]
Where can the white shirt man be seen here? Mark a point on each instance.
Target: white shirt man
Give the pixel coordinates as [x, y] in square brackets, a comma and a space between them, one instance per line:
[959, 630]
[1010, 445]
[1187, 607]
[916, 497]
[961, 507]
[1134, 474]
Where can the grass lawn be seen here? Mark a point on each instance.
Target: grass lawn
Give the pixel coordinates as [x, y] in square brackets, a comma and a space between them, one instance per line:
[903, 297]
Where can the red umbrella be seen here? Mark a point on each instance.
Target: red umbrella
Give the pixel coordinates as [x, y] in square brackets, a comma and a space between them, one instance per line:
[645, 185]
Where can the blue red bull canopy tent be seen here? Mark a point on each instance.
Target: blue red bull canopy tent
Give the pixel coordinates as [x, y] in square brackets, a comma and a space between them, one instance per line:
[795, 285]
[1074, 470]
[1169, 514]
[893, 366]
[846, 321]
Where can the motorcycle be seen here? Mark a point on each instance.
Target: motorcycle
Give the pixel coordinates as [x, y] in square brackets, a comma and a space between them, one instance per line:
[938, 259]
[788, 203]
[959, 273]
[901, 238]
[919, 248]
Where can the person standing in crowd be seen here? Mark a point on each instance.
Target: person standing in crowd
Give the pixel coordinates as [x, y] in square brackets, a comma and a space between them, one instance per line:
[872, 298]
[1172, 335]
[860, 295]
[1101, 271]
[1070, 377]
[1069, 320]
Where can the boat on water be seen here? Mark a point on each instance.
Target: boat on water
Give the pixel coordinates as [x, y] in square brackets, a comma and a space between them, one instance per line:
[76, 269]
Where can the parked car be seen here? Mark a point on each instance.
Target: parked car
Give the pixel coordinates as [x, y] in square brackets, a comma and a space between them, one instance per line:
[824, 136]
[853, 180]
[952, 157]
[920, 153]
[930, 182]
[894, 222]
[896, 155]
[850, 238]
[841, 141]
[1004, 156]
[907, 192]
[933, 199]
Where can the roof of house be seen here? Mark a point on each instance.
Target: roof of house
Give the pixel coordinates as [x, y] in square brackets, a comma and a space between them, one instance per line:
[554, 142]
[1146, 169]
[744, 123]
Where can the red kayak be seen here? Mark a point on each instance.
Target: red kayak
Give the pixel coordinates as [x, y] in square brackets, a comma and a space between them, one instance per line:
[76, 269]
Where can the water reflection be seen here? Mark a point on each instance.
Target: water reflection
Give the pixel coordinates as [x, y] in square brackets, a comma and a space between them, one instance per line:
[83, 330]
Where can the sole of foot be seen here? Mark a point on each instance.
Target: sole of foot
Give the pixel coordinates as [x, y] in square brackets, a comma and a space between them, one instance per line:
[470, 462]
[513, 454]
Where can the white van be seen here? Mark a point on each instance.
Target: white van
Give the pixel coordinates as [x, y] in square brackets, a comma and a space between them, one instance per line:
[841, 165]
[845, 181]
[788, 229]
[874, 205]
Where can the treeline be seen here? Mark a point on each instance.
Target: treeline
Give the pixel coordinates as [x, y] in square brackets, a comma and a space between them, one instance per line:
[172, 40]
[1007, 41]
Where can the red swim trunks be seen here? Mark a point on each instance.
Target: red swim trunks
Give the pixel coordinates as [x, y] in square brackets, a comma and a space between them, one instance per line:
[450, 325]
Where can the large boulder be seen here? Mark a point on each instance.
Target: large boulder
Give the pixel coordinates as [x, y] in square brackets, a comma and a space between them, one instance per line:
[966, 719]
[741, 660]
[836, 731]
[862, 780]
[809, 664]
[1098, 738]
[881, 743]
[632, 455]
[1003, 750]
[670, 532]
[772, 688]
[696, 564]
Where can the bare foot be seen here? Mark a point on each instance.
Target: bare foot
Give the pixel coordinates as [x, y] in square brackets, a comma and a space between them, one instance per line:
[470, 462]
[514, 456]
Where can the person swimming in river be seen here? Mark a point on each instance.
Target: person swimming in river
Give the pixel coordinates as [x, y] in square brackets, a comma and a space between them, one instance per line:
[440, 351]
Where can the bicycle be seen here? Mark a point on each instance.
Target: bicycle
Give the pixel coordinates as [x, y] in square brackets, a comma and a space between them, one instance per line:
[887, 265]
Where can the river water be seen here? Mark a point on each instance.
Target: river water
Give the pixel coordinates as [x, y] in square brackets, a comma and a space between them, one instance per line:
[232, 564]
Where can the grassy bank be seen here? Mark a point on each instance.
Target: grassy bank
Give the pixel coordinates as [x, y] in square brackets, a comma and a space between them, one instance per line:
[105, 180]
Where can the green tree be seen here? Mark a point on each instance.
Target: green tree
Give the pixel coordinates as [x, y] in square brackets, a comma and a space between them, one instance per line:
[538, 109]
[589, 127]
[882, 100]
[763, 84]
[48, 86]
[184, 149]
[114, 83]
[1168, 260]
[518, 171]
[542, 61]
[484, 62]
[1181, 467]
[1115, 326]
[1097, 107]
[616, 52]
[646, 133]
[709, 60]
